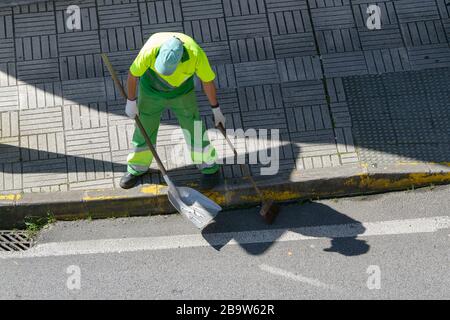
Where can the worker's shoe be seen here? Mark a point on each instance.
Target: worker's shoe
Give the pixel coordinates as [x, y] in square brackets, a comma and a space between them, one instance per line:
[128, 181]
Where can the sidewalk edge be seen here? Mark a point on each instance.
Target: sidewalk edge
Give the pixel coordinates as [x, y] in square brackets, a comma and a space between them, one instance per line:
[152, 199]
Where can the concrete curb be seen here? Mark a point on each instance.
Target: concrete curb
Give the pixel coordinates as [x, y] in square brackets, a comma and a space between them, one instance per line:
[152, 199]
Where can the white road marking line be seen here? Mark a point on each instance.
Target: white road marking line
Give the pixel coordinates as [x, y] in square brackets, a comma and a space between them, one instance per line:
[295, 277]
[393, 227]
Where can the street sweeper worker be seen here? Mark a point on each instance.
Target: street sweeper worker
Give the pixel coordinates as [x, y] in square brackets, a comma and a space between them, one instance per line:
[166, 66]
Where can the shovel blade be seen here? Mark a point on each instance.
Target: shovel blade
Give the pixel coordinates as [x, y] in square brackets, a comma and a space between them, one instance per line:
[193, 205]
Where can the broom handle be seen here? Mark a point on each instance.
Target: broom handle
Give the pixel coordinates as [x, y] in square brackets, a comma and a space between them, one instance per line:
[136, 119]
[243, 167]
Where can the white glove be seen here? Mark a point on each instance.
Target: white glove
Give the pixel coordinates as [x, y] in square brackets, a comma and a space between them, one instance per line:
[131, 109]
[219, 118]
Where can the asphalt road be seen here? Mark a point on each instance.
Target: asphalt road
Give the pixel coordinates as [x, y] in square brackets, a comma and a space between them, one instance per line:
[386, 246]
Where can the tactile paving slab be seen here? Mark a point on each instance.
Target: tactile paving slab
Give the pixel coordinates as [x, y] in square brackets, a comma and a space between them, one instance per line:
[405, 117]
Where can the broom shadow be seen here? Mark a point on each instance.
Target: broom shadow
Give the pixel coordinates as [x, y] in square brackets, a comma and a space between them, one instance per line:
[304, 220]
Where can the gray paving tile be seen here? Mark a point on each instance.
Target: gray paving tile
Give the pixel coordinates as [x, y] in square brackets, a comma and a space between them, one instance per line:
[264, 119]
[336, 91]
[256, 73]
[117, 14]
[83, 91]
[243, 7]
[218, 52]
[225, 76]
[42, 146]
[301, 93]
[252, 49]
[6, 25]
[34, 24]
[285, 5]
[300, 68]
[260, 97]
[389, 36]
[206, 30]
[423, 33]
[443, 8]
[243, 27]
[9, 124]
[339, 40]
[9, 98]
[121, 60]
[416, 10]
[38, 70]
[314, 144]
[387, 60]
[11, 177]
[340, 114]
[7, 50]
[80, 67]
[78, 117]
[40, 121]
[332, 17]
[94, 171]
[294, 45]
[44, 173]
[289, 22]
[8, 76]
[78, 43]
[344, 140]
[32, 96]
[344, 64]
[87, 141]
[157, 12]
[149, 29]
[228, 102]
[121, 39]
[201, 9]
[431, 56]
[36, 47]
[308, 118]
[9, 150]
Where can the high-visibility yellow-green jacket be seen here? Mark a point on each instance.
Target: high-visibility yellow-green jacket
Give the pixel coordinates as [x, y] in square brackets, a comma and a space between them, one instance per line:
[194, 61]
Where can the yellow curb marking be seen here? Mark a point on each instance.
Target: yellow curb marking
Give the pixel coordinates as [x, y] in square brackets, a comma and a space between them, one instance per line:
[412, 163]
[11, 197]
[153, 189]
[273, 195]
[99, 198]
[364, 181]
[193, 185]
[412, 179]
[219, 197]
[364, 165]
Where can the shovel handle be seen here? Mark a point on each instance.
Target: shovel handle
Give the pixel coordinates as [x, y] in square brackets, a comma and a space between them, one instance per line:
[136, 119]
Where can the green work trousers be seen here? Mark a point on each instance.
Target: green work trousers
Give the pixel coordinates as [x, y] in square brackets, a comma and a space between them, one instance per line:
[185, 108]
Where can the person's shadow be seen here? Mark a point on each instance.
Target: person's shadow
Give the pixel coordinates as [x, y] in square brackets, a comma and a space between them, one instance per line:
[310, 220]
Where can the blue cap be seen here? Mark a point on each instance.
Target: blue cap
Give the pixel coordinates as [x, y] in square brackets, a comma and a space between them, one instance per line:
[169, 56]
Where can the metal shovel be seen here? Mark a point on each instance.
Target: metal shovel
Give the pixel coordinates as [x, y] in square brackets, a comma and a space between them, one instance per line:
[193, 205]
